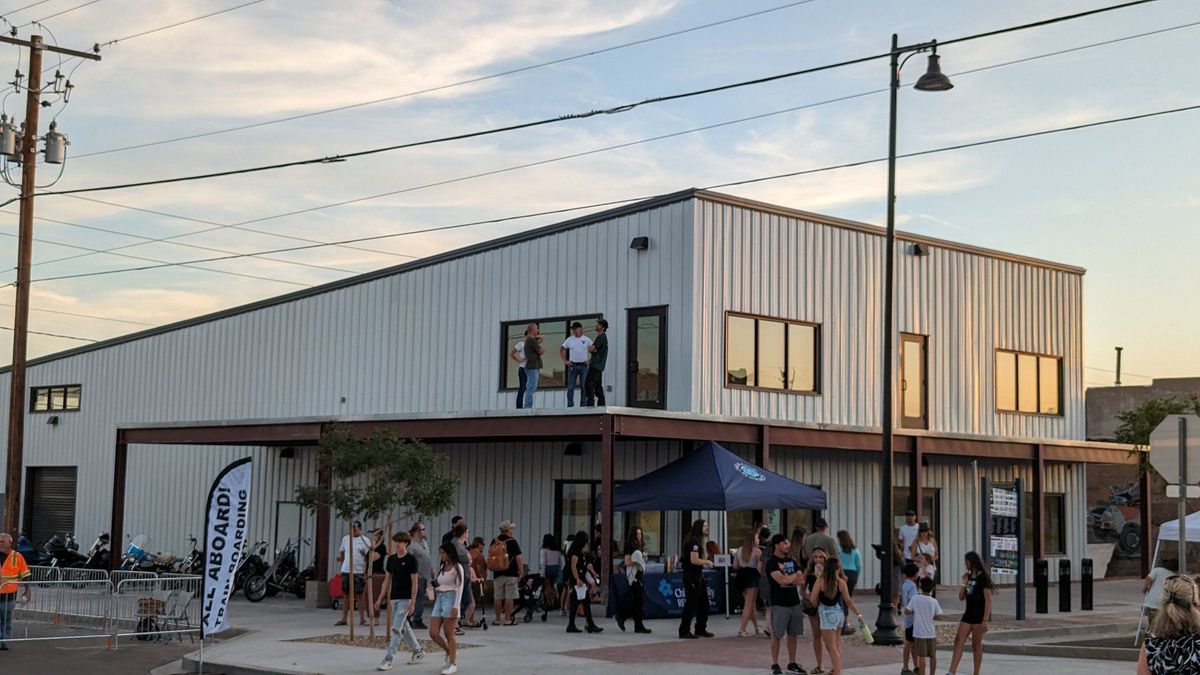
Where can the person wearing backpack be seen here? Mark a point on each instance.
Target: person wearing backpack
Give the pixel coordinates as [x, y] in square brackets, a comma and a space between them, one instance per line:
[505, 561]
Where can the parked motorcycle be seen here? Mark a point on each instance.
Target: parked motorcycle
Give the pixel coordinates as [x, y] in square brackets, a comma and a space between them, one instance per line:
[139, 558]
[283, 575]
[34, 555]
[65, 550]
[252, 563]
[192, 563]
[98, 554]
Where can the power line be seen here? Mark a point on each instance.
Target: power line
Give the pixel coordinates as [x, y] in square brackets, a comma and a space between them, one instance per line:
[22, 9]
[791, 174]
[65, 11]
[158, 260]
[180, 23]
[542, 162]
[443, 87]
[574, 116]
[57, 335]
[82, 316]
[1123, 372]
[148, 240]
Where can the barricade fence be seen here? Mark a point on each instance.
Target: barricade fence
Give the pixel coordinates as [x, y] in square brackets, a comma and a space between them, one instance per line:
[65, 604]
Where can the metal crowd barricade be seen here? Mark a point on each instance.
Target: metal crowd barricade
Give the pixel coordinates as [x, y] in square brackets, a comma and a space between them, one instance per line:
[148, 609]
[62, 610]
[41, 573]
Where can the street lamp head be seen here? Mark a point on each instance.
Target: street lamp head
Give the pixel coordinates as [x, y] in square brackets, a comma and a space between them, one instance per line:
[933, 79]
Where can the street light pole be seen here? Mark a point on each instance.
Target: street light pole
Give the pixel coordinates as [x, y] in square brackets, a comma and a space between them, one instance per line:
[886, 632]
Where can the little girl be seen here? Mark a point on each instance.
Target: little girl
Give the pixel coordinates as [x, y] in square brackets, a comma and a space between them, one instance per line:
[925, 567]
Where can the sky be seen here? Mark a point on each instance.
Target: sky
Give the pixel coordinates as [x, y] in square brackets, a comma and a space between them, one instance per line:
[1120, 200]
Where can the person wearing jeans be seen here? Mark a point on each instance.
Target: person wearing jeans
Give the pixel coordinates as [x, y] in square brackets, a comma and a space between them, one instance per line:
[576, 352]
[593, 385]
[401, 581]
[15, 576]
[533, 361]
[517, 354]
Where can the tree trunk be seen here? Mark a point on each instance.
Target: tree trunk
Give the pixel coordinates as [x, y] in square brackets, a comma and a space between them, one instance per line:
[369, 578]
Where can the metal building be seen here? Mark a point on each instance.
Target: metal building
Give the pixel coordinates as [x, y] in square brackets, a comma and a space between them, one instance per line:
[750, 324]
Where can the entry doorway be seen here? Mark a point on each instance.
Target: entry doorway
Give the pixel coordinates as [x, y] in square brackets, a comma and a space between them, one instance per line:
[49, 501]
[289, 524]
[646, 345]
[577, 509]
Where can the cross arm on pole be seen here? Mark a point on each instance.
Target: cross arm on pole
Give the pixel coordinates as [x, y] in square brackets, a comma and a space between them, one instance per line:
[51, 48]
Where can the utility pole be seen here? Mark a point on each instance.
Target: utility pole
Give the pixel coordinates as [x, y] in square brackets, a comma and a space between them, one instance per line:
[16, 396]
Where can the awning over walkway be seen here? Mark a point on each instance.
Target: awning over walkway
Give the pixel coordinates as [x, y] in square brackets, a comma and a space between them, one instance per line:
[713, 478]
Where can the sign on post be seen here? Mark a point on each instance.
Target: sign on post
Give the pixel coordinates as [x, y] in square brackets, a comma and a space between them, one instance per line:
[1004, 536]
[1175, 453]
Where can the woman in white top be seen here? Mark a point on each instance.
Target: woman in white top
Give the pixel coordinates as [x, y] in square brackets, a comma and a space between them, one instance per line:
[633, 604]
[446, 591]
[517, 354]
[924, 544]
[747, 565]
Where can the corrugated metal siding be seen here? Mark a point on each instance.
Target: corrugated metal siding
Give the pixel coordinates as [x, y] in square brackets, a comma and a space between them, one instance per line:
[851, 481]
[968, 304]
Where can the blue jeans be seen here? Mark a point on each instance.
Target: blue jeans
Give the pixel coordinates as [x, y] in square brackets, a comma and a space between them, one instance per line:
[531, 383]
[6, 610]
[521, 378]
[419, 610]
[401, 629]
[576, 374]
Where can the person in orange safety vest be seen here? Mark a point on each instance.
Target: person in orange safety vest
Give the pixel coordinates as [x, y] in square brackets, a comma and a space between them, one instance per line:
[12, 571]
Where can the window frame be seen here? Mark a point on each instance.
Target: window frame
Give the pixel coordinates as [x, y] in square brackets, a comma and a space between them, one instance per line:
[817, 352]
[505, 346]
[1061, 508]
[1017, 382]
[64, 389]
[595, 488]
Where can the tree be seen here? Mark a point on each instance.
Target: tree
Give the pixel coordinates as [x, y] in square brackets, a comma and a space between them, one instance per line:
[376, 475]
[1137, 423]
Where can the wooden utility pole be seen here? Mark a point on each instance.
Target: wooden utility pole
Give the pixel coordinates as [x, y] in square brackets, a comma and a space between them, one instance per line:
[16, 396]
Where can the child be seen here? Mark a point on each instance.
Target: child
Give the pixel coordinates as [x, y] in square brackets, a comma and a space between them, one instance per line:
[925, 609]
[908, 591]
[926, 566]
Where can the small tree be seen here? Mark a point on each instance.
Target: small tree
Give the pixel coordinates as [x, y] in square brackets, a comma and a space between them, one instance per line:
[1137, 423]
[379, 474]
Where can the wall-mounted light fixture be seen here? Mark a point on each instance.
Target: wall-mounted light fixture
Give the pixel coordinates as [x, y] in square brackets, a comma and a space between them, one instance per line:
[640, 243]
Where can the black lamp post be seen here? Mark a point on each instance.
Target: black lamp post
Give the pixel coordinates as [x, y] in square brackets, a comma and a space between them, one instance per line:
[932, 80]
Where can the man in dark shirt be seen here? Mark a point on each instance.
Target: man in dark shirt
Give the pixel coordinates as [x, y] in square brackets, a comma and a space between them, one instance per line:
[533, 362]
[695, 591]
[593, 387]
[450, 532]
[504, 582]
[401, 580]
[787, 612]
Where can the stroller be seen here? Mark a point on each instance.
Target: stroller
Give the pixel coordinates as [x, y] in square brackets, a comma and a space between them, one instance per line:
[531, 596]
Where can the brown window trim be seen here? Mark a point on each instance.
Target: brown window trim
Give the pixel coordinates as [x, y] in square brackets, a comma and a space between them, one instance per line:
[33, 392]
[505, 346]
[1017, 381]
[815, 391]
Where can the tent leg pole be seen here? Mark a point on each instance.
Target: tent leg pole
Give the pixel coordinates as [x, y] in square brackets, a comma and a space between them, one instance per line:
[725, 527]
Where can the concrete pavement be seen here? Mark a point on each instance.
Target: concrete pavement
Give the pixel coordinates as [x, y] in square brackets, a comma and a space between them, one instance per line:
[277, 630]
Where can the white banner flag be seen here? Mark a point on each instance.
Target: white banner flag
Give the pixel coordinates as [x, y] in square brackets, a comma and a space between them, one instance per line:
[224, 536]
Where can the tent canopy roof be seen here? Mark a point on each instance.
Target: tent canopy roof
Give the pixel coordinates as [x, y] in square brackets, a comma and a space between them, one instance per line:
[713, 478]
[1170, 530]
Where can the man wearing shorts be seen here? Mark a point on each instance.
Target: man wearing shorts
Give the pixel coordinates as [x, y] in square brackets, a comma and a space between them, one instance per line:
[925, 609]
[787, 612]
[504, 585]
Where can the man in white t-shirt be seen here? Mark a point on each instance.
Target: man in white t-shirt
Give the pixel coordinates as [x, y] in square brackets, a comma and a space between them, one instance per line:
[908, 534]
[576, 352]
[352, 555]
[1153, 585]
[517, 354]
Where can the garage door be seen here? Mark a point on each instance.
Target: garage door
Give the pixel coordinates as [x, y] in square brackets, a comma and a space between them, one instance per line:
[49, 501]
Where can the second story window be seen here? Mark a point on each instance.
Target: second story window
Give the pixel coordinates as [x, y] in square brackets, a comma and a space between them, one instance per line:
[1028, 383]
[54, 399]
[554, 331]
[767, 353]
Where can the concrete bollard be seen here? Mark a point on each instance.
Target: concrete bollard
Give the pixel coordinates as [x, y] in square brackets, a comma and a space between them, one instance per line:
[1064, 585]
[1041, 585]
[1085, 584]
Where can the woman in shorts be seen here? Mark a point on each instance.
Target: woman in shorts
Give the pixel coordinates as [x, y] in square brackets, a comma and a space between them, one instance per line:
[976, 590]
[814, 570]
[447, 590]
[828, 594]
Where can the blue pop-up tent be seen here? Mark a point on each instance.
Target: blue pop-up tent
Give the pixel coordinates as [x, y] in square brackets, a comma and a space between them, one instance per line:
[713, 478]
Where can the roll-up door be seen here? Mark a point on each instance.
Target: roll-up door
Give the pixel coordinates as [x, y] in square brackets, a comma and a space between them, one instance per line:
[49, 501]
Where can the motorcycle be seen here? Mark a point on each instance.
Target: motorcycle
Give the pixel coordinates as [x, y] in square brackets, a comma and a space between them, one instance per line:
[252, 563]
[64, 550]
[139, 558]
[98, 554]
[192, 563]
[34, 555]
[283, 575]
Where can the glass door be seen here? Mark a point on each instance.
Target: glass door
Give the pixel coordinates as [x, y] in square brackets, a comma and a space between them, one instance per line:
[913, 382]
[646, 380]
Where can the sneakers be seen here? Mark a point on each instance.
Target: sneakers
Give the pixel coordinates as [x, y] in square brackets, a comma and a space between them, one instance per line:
[450, 669]
[642, 629]
[385, 664]
[416, 657]
[795, 668]
[573, 629]
[776, 670]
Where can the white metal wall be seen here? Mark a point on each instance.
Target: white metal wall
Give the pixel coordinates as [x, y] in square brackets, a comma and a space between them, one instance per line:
[967, 304]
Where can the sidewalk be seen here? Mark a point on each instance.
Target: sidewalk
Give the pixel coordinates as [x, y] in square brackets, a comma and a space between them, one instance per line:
[276, 624]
